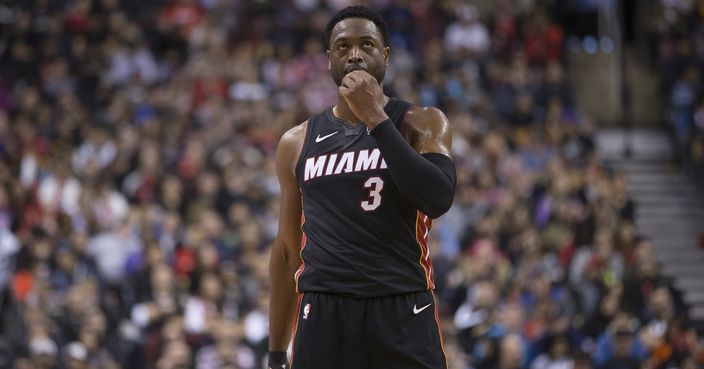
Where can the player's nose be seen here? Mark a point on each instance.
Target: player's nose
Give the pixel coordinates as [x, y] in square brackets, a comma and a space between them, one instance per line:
[355, 55]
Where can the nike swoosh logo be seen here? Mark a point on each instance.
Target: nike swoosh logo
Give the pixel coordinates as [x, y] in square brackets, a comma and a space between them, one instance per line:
[320, 139]
[417, 311]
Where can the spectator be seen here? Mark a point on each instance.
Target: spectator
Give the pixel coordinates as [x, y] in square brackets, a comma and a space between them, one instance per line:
[43, 353]
[557, 357]
[543, 39]
[510, 352]
[226, 350]
[622, 358]
[676, 29]
[75, 356]
[468, 36]
[684, 93]
[594, 270]
[619, 345]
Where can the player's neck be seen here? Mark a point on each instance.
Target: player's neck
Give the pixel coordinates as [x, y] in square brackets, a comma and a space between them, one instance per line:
[342, 111]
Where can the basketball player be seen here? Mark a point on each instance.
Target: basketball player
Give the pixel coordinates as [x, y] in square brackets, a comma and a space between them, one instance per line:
[351, 279]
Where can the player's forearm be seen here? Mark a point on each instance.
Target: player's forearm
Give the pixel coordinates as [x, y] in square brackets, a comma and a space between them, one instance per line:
[283, 297]
[427, 181]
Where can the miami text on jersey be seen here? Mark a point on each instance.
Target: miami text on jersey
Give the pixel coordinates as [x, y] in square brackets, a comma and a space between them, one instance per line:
[348, 162]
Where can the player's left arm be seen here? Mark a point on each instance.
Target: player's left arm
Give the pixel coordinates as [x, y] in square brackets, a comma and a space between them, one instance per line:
[428, 131]
[420, 163]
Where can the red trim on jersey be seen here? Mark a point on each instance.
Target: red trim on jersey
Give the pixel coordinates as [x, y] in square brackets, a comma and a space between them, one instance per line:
[437, 321]
[304, 239]
[423, 225]
[295, 326]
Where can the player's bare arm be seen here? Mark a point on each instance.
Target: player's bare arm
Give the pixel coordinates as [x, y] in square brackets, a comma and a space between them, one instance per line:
[428, 130]
[285, 258]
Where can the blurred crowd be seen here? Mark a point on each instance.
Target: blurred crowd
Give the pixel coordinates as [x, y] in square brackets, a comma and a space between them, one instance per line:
[138, 198]
[677, 38]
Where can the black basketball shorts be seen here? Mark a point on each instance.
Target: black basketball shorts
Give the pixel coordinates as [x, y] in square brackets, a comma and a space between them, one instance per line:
[394, 332]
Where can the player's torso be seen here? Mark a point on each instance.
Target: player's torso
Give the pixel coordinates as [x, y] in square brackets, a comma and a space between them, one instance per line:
[361, 237]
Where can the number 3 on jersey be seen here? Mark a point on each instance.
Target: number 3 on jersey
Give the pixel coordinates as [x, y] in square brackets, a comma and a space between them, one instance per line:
[375, 185]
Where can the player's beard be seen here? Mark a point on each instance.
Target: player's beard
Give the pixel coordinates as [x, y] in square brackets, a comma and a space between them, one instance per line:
[338, 75]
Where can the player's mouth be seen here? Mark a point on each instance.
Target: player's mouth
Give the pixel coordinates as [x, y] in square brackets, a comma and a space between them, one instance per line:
[353, 68]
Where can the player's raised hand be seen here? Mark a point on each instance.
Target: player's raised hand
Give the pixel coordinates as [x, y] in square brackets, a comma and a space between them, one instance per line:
[364, 96]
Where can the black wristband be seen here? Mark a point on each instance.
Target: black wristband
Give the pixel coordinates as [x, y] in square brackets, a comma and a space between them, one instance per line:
[278, 359]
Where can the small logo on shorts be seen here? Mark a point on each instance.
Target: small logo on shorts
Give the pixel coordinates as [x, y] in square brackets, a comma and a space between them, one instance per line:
[306, 311]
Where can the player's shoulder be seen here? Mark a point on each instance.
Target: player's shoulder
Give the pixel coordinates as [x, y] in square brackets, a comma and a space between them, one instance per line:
[290, 146]
[425, 118]
[294, 136]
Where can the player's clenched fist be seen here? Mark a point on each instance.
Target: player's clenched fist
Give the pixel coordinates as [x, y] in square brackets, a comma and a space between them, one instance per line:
[364, 96]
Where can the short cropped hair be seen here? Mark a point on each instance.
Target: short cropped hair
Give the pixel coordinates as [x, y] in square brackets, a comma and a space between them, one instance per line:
[358, 11]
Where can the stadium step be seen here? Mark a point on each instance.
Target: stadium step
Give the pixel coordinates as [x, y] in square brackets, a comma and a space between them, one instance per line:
[697, 314]
[648, 146]
[682, 257]
[694, 297]
[691, 282]
[669, 210]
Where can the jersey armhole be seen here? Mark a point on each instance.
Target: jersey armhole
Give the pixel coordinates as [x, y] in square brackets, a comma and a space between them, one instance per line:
[403, 126]
[304, 147]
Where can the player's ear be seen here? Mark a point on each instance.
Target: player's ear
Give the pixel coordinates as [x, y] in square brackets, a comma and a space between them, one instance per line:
[387, 55]
[329, 63]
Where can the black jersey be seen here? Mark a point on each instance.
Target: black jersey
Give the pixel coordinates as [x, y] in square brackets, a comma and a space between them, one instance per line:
[361, 237]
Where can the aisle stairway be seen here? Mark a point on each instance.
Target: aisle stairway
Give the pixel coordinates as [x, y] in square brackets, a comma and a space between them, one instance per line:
[669, 209]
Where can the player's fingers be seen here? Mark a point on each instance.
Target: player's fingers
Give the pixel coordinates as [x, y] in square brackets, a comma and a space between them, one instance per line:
[355, 75]
[359, 75]
[348, 81]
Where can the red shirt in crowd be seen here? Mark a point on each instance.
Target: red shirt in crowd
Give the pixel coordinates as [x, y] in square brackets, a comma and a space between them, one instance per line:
[544, 44]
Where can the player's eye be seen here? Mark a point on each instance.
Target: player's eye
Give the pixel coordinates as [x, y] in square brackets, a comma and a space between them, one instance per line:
[342, 46]
[368, 44]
